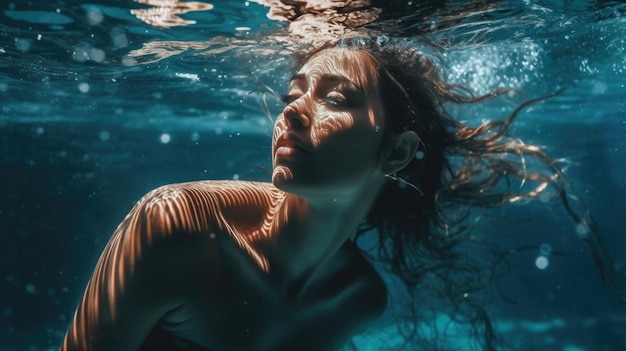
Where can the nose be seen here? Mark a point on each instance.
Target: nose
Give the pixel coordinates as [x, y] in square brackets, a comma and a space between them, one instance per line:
[297, 115]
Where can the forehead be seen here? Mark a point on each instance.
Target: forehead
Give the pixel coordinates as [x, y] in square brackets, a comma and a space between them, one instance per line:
[357, 66]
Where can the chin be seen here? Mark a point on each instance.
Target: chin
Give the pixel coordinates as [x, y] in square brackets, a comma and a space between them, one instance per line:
[281, 175]
[283, 179]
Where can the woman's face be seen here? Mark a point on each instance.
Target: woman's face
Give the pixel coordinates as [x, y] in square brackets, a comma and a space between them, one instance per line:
[327, 140]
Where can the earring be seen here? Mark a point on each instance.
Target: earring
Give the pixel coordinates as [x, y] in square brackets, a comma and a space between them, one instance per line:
[419, 155]
[403, 183]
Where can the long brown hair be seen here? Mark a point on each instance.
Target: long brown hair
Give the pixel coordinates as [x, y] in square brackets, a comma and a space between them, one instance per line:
[422, 214]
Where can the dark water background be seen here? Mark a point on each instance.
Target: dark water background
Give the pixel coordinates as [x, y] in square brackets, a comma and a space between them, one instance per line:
[89, 122]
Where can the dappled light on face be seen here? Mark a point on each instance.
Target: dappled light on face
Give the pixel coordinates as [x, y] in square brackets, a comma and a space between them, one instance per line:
[353, 70]
[327, 126]
[335, 115]
[359, 67]
[165, 13]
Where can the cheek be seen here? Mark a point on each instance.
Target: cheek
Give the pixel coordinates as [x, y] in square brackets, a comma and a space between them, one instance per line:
[328, 126]
[353, 151]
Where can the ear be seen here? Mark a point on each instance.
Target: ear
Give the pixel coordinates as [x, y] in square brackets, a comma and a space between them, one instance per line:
[401, 151]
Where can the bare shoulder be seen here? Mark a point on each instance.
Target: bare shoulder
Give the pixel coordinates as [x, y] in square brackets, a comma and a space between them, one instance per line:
[171, 219]
[157, 254]
[195, 207]
[194, 212]
[199, 192]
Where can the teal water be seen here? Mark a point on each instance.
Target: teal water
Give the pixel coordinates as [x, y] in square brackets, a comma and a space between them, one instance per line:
[98, 106]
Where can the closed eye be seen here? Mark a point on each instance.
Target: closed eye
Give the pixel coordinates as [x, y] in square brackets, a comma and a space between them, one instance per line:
[289, 98]
[348, 98]
[335, 99]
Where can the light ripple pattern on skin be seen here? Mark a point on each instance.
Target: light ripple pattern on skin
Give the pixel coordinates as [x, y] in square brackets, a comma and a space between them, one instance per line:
[162, 214]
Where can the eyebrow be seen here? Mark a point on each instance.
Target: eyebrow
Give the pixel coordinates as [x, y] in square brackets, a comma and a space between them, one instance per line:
[327, 77]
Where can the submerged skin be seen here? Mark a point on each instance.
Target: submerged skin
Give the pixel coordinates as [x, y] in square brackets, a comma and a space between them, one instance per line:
[256, 266]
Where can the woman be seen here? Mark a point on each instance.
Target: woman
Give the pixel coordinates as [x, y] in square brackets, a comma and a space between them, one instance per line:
[361, 145]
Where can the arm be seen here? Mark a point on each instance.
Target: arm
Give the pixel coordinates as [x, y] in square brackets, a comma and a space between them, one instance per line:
[141, 274]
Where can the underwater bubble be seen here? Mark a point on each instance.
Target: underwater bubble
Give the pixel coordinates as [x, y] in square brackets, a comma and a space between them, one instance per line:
[83, 87]
[94, 16]
[39, 130]
[599, 88]
[31, 289]
[128, 61]
[235, 176]
[433, 24]
[582, 229]
[83, 54]
[195, 136]
[80, 54]
[118, 37]
[419, 155]
[542, 262]
[96, 55]
[22, 44]
[218, 131]
[165, 138]
[104, 135]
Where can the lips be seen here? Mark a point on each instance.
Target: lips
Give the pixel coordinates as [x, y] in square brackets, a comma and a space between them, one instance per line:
[287, 143]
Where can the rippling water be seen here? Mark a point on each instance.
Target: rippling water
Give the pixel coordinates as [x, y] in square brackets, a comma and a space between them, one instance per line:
[102, 101]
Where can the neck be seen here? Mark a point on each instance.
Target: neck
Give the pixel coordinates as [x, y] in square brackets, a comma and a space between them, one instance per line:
[311, 235]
